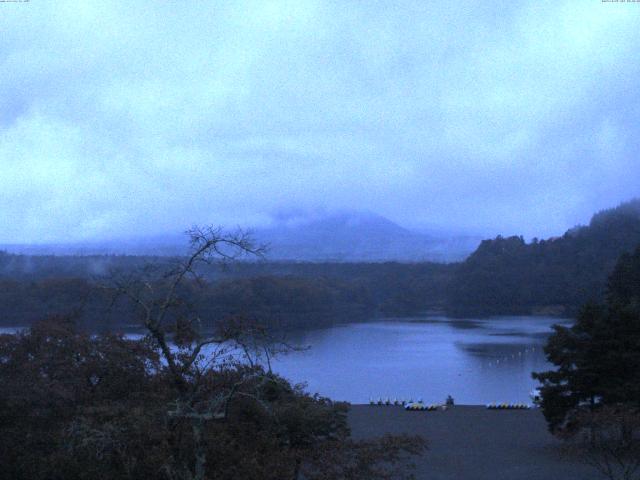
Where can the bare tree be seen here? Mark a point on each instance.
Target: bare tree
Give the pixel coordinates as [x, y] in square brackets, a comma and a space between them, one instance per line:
[217, 377]
[190, 353]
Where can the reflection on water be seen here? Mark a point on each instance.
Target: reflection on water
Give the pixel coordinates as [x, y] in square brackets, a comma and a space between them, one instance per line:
[476, 361]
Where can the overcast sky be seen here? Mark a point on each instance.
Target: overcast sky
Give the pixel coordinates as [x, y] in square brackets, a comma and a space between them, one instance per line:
[135, 117]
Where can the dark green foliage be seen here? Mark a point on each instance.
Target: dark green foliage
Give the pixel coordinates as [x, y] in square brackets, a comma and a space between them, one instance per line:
[597, 359]
[624, 283]
[281, 296]
[288, 302]
[510, 276]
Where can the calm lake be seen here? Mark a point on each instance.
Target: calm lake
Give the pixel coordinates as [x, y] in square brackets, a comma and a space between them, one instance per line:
[428, 358]
[476, 361]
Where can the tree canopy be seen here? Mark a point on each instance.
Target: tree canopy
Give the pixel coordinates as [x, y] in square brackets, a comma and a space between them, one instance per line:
[598, 358]
[559, 275]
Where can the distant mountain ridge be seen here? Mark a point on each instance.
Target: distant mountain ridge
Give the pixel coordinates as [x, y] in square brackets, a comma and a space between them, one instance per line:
[503, 276]
[361, 237]
[341, 237]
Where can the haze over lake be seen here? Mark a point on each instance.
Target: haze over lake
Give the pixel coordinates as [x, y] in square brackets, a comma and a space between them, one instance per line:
[476, 361]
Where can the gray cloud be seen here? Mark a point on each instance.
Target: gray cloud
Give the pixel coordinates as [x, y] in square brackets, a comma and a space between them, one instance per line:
[120, 118]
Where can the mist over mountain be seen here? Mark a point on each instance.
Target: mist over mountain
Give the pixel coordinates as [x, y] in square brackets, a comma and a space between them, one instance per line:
[356, 236]
[342, 237]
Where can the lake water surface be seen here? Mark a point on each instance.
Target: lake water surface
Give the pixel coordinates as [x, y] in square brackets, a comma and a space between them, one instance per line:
[476, 361]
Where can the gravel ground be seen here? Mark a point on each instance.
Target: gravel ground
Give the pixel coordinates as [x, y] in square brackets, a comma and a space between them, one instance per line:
[473, 443]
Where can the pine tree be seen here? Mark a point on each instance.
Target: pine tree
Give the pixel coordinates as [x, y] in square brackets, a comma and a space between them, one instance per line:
[598, 358]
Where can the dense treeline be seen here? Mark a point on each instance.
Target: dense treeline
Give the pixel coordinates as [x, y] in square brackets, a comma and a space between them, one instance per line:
[503, 276]
[289, 302]
[508, 275]
[282, 295]
[279, 302]
[392, 288]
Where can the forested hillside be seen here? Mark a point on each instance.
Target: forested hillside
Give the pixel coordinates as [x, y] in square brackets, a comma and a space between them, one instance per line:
[503, 276]
[508, 275]
[280, 295]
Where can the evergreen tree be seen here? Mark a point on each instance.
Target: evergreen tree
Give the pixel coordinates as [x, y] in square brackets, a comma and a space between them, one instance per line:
[598, 358]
